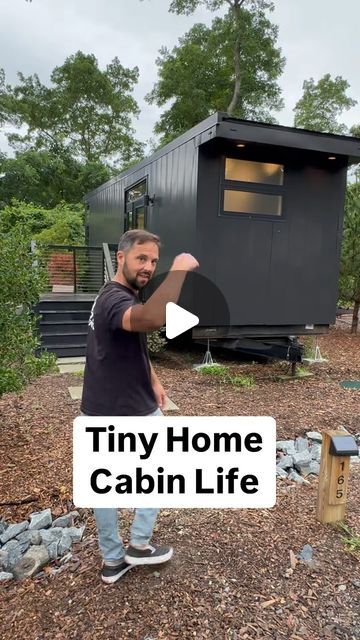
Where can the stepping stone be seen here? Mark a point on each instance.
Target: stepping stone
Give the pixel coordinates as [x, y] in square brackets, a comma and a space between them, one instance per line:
[170, 405]
[76, 367]
[76, 393]
[80, 359]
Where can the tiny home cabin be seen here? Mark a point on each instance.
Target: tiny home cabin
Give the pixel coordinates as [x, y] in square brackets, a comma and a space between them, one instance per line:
[261, 208]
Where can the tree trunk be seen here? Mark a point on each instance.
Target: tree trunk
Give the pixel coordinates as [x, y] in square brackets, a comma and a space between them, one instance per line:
[236, 7]
[355, 317]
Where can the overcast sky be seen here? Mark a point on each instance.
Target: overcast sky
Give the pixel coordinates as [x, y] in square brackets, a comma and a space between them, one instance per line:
[316, 37]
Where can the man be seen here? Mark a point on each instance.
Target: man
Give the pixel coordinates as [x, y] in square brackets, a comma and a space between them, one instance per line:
[119, 379]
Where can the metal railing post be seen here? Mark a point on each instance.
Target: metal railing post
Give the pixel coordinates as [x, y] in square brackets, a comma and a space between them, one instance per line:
[74, 270]
[108, 262]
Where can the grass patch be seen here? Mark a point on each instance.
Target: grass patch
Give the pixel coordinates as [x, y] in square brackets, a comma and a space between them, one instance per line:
[352, 539]
[222, 374]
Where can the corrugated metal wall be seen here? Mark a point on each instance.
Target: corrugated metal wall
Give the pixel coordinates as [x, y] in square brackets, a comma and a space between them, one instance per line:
[271, 271]
[172, 179]
[276, 271]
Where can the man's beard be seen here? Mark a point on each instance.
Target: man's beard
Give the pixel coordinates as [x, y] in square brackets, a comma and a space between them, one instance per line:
[133, 280]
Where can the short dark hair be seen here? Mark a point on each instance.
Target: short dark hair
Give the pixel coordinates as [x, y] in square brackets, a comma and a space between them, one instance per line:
[136, 236]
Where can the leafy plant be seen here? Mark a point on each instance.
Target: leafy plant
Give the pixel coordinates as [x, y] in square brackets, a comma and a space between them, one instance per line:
[215, 370]
[22, 282]
[64, 224]
[223, 375]
[351, 539]
[302, 371]
[48, 177]
[156, 342]
[349, 282]
[242, 381]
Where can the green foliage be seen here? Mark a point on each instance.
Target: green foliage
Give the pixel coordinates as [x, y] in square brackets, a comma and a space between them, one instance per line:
[350, 259]
[47, 178]
[62, 225]
[322, 104]
[349, 282]
[85, 110]
[155, 341]
[218, 371]
[189, 6]
[242, 381]
[21, 283]
[2, 97]
[198, 75]
[355, 130]
[67, 230]
[351, 539]
[222, 374]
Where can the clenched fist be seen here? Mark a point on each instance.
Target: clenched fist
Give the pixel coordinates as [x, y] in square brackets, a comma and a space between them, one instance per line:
[184, 262]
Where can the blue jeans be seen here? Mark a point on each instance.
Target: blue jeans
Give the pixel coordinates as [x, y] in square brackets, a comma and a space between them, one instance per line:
[110, 542]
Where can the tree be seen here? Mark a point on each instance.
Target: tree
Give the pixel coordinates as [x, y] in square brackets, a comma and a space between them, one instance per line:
[355, 130]
[2, 97]
[350, 259]
[198, 74]
[86, 111]
[322, 104]
[46, 178]
[63, 224]
[238, 14]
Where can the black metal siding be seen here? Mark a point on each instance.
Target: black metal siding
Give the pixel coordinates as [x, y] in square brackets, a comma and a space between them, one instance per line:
[172, 180]
[272, 271]
[276, 271]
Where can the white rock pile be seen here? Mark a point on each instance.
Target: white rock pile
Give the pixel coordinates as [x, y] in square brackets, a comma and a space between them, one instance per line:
[298, 458]
[26, 547]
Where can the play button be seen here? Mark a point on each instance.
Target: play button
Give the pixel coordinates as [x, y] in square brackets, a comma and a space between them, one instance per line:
[178, 320]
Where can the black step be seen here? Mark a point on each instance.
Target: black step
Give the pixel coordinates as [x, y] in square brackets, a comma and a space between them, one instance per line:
[65, 326]
[63, 323]
[67, 351]
[64, 315]
[69, 305]
[61, 339]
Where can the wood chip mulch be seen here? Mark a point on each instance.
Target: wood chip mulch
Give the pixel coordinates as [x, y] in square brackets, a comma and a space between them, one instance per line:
[232, 576]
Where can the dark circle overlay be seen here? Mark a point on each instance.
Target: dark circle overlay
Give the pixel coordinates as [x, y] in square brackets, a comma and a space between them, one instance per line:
[199, 295]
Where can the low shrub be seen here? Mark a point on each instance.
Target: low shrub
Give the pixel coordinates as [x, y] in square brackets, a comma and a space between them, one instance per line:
[22, 281]
[156, 342]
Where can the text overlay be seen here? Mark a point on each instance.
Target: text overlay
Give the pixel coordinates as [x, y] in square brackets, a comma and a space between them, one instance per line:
[187, 461]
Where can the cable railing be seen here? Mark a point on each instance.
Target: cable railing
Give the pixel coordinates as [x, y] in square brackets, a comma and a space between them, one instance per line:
[76, 269]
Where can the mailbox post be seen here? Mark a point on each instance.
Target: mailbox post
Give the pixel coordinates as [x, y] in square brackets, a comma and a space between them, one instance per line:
[337, 447]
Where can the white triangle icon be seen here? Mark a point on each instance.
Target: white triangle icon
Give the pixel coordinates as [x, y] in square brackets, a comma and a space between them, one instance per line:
[178, 320]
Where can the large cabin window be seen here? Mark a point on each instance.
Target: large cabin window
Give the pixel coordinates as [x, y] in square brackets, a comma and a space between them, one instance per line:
[248, 202]
[252, 188]
[135, 206]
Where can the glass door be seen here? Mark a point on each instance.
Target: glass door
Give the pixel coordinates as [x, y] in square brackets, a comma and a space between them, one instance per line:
[135, 206]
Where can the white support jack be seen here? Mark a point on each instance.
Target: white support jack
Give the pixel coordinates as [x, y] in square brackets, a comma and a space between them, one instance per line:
[316, 357]
[207, 359]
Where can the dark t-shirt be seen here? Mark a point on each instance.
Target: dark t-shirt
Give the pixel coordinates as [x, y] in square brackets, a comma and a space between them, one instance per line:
[117, 378]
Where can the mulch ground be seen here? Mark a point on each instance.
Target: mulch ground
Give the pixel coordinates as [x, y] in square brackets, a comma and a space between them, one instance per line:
[229, 578]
